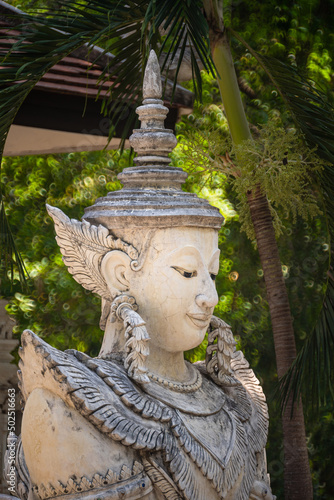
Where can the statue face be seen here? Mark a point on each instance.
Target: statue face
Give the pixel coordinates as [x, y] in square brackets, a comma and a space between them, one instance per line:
[175, 290]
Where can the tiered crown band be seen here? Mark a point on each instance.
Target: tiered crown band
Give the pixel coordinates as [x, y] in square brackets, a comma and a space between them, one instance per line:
[152, 195]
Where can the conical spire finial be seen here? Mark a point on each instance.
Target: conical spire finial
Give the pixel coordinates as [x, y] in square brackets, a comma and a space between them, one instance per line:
[152, 88]
[152, 142]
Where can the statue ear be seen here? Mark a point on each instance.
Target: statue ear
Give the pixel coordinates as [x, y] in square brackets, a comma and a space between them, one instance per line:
[113, 268]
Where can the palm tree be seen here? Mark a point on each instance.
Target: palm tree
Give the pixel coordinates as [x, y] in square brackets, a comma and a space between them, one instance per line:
[297, 477]
[128, 30]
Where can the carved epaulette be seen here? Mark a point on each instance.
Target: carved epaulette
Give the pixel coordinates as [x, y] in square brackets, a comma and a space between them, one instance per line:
[259, 420]
[83, 389]
[230, 369]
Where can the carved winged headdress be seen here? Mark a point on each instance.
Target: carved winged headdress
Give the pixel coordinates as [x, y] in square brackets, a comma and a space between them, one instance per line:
[151, 197]
[83, 247]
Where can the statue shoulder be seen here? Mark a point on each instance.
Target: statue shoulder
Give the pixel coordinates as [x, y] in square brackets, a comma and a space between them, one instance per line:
[99, 390]
[66, 454]
[68, 409]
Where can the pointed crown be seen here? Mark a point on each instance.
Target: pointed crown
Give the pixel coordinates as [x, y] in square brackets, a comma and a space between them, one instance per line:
[152, 195]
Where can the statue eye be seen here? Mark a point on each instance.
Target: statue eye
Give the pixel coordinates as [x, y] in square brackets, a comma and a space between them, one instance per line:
[183, 272]
[213, 276]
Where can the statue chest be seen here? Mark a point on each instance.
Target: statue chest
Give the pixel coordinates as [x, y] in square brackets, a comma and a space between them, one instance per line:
[207, 416]
[216, 433]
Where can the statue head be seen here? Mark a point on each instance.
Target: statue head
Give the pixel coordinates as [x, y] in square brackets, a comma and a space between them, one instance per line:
[149, 250]
[174, 288]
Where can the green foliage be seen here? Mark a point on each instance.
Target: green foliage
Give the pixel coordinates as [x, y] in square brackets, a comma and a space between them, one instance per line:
[34, 6]
[321, 445]
[56, 307]
[278, 162]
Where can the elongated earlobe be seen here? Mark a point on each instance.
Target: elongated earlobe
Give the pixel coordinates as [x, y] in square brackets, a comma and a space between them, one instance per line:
[114, 268]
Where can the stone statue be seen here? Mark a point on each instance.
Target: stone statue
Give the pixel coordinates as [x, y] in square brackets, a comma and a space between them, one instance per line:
[139, 421]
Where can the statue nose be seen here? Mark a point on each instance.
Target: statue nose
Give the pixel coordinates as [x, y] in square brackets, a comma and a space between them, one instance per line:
[208, 296]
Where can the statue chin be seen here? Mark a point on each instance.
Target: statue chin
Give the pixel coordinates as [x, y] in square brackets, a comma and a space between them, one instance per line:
[139, 421]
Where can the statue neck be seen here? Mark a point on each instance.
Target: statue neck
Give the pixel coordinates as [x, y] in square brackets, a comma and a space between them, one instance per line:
[113, 340]
[167, 365]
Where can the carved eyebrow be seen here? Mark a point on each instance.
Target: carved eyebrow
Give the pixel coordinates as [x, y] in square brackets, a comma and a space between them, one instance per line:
[192, 252]
[187, 251]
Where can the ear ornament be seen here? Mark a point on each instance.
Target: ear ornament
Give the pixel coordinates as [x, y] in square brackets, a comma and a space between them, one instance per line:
[124, 308]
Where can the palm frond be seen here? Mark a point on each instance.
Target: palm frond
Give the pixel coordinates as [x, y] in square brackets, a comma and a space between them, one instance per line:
[10, 258]
[313, 114]
[313, 367]
[184, 26]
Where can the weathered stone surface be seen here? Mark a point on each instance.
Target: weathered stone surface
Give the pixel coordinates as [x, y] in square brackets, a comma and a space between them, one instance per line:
[152, 88]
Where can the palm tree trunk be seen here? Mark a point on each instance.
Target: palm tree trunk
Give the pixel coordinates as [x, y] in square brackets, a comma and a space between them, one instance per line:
[297, 476]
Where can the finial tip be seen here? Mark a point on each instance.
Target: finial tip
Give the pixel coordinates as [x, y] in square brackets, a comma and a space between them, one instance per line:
[152, 88]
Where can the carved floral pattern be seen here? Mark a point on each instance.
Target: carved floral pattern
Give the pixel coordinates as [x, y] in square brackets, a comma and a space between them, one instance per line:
[83, 246]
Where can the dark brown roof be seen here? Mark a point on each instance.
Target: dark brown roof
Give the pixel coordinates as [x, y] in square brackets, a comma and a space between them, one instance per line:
[71, 86]
[78, 73]
[74, 76]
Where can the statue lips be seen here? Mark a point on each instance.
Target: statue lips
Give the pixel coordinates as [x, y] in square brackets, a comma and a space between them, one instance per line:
[200, 320]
